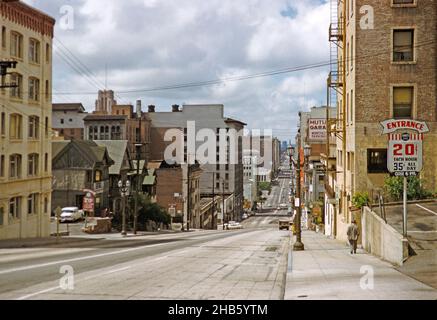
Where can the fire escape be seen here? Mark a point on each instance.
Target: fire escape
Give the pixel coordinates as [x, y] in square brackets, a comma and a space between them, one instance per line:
[337, 77]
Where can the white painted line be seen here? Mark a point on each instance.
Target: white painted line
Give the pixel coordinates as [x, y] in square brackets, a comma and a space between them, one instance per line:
[38, 293]
[58, 287]
[78, 259]
[426, 209]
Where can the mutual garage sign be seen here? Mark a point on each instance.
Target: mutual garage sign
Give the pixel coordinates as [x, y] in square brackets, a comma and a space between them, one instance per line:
[317, 129]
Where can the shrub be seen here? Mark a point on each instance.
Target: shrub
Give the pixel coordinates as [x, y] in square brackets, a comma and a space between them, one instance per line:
[360, 199]
[395, 188]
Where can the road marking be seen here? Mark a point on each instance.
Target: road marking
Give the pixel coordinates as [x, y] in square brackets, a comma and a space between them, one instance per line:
[58, 287]
[434, 231]
[78, 259]
[426, 209]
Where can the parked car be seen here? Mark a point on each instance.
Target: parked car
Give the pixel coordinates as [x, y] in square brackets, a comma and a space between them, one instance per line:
[233, 225]
[283, 206]
[71, 214]
[245, 216]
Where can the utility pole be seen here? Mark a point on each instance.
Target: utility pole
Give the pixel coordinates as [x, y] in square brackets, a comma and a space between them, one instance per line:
[188, 196]
[299, 246]
[213, 199]
[224, 209]
[138, 146]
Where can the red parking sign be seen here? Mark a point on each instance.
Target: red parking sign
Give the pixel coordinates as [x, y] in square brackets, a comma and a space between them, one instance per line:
[405, 154]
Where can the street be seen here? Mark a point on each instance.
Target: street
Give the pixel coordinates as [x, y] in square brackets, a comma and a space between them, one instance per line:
[253, 263]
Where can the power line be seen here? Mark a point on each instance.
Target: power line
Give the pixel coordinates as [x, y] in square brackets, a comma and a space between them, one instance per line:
[250, 76]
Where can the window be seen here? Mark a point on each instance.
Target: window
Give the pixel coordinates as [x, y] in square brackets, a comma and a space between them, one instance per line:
[47, 90]
[34, 51]
[47, 127]
[47, 53]
[352, 107]
[2, 166]
[16, 45]
[4, 37]
[2, 214]
[3, 124]
[403, 2]
[403, 102]
[46, 205]
[98, 176]
[32, 204]
[46, 162]
[32, 164]
[15, 166]
[15, 208]
[403, 45]
[15, 126]
[34, 89]
[377, 161]
[33, 127]
[17, 92]
[352, 53]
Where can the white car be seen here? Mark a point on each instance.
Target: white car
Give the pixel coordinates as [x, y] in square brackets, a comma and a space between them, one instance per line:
[232, 225]
[283, 206]
[71, 214]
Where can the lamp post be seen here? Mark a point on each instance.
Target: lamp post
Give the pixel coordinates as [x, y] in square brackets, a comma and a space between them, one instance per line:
[298, 245]
[125, 192]
[138, 147]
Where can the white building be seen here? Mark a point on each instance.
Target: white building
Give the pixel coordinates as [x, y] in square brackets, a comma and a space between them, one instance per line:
[197, 118]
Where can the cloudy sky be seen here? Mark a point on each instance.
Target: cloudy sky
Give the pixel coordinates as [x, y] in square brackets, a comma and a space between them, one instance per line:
[138, 45]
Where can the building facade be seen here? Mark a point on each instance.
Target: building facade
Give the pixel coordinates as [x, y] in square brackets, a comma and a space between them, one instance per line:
[387, 69]
[68, 120]
[121, 124]
[79, 166]
[216, 173]
[25, 122]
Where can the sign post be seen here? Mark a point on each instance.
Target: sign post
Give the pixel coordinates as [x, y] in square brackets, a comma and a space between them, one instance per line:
[405, 153]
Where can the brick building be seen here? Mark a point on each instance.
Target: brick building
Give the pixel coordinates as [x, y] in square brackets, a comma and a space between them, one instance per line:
[387, 69]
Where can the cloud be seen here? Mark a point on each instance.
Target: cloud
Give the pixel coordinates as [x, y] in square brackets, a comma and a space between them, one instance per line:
[150, 43]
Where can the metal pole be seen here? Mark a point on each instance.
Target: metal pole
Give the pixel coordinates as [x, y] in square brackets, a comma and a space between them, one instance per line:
[299, 246]
[123, 231]
[213, 199]
[189, 196]
[405, 207]
[223, 196]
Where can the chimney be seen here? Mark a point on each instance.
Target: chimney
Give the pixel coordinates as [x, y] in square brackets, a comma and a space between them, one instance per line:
[151, 108]
[139, 111]
[175, 108]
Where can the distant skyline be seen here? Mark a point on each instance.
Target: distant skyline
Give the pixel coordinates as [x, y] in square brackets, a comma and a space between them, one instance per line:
[142, 44]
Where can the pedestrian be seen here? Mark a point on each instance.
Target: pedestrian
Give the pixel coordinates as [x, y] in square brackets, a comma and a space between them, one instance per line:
[352, 234]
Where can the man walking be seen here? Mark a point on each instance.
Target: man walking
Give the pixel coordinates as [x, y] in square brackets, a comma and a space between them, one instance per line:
[352, 234]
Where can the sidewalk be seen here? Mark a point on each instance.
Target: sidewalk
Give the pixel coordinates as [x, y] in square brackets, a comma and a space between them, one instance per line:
[327, 271]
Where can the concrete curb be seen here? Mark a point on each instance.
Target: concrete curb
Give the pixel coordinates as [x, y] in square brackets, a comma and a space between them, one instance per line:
[281, 275]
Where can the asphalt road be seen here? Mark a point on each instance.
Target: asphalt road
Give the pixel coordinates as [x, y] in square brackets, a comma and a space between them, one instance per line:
[252, 257]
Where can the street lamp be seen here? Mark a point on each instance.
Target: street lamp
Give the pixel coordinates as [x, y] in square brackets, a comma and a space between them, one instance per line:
[298, 245]
[125, 192]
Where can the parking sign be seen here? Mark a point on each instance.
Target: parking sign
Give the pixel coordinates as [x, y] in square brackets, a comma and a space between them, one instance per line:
[405, 154]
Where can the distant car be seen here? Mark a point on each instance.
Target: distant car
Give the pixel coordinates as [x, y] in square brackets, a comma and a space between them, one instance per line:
[71, 214]
[283, 206]
[233, 225]
[245, 216]
[285, 224]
